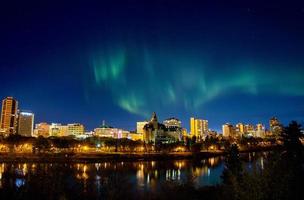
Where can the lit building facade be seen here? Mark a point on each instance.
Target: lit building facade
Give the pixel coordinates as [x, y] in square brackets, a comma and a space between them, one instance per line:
[25, 124]
[275, 126]
[228, 130]
[174, 128]
[140, 127]
[135, 136]
[42, 129]
[260, 130]
[172, 123]
[108, 131]
[9, 116]
[250, 130]
[58, 130]
[75, 129]
[155, 132]
[198, 128]
[240, 128]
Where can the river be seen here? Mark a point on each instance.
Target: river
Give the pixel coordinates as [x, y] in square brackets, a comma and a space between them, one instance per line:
[93, 180]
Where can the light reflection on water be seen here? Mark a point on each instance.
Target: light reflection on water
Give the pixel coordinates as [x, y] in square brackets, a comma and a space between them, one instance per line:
[141, 175]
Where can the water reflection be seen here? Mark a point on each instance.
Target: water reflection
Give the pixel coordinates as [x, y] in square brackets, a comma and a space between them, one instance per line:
[98, 179]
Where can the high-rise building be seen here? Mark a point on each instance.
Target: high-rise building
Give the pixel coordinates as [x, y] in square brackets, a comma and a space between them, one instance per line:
[25, 123]
[228, 130]
[9, 115]
[198, 128]
[42, 129]
[75, 129]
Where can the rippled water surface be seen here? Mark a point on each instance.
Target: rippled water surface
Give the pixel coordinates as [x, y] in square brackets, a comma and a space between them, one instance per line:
[56, 180]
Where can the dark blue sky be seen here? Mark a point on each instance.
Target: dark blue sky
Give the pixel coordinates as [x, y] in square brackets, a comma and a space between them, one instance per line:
[89, 61]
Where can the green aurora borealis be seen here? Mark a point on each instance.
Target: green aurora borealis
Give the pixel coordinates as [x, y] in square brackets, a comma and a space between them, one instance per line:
[143, 81]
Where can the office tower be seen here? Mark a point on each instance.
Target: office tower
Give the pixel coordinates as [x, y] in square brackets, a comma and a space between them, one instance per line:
[9, 115]
[25, 123]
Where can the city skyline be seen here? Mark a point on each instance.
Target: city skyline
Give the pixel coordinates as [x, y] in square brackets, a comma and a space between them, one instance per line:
[99, 61]
[152, 99]
[204, 127]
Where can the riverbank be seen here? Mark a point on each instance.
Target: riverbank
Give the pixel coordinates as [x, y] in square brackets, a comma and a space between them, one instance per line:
[113, 156]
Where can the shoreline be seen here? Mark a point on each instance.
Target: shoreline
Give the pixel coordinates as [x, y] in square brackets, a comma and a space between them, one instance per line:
[115, 156]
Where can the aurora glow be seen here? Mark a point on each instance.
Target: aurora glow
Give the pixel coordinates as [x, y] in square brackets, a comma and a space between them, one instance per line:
[119, 62]
[184, 81]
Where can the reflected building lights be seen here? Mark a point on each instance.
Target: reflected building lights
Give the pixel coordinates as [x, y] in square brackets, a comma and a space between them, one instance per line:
[152, 163]
[97, 166]
[148, 178]
[146, 174]
[19, 182]
[84, 174]
[1, 170]
[24, 169]
[140, 176]
[211, 161]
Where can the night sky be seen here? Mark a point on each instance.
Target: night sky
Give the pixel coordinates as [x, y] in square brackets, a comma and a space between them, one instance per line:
[89, 61]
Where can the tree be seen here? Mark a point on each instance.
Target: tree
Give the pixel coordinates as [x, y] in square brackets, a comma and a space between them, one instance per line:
[232, 174]
[291, 138]
[196, 148]
[13, 140]
[292, 160]
[233, 165]
[41, 144]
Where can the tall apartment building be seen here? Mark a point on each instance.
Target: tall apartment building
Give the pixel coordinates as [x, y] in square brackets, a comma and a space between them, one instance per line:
[198, 128]
[9, 115]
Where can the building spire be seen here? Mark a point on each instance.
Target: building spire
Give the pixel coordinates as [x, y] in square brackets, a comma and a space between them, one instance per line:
[154, 117]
